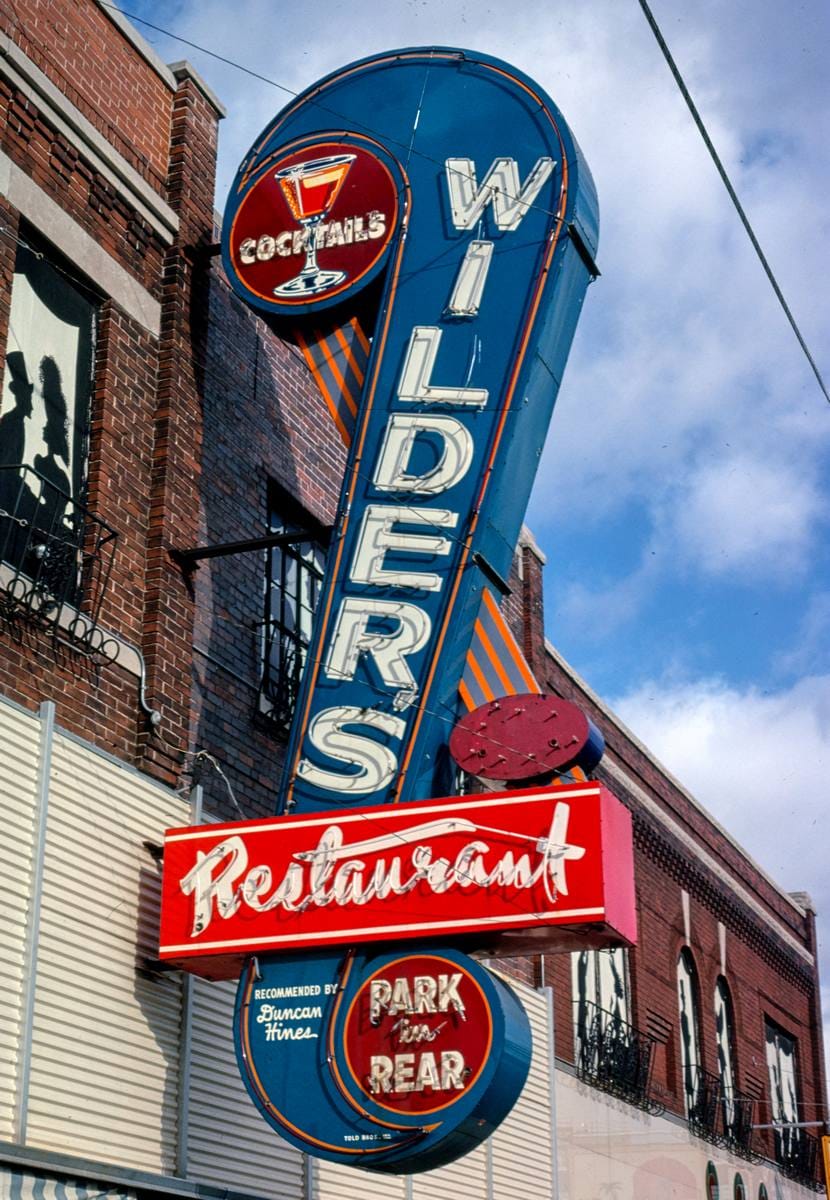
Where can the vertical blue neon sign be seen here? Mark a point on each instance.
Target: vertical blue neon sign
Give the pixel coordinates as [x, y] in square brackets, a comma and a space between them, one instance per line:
[484, 262]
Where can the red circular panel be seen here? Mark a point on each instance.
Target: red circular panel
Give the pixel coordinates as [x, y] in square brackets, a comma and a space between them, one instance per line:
[418, 1034]
[314, 223]
[519, 737]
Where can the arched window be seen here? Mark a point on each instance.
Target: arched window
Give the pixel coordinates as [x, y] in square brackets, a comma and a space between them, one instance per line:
[687, 997]
[725, 1039]
[712, 1186]
[739, 1189]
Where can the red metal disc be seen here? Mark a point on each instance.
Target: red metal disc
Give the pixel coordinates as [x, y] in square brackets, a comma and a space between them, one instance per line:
[523, 737]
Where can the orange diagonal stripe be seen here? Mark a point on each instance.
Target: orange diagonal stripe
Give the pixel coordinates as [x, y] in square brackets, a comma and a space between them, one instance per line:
[466, 696]
[506, 681]
[331, 361]
[511, 643]
[361, 336]
[308, 355]
[347, 350]
[479, 676]
[334, 367]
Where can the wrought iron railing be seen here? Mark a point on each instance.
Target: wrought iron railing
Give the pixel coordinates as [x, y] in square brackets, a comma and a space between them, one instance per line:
[737, 1116]
[55, 562]
[704, 1103]
[614, 1056]
[718, 1113]
[797, 1153]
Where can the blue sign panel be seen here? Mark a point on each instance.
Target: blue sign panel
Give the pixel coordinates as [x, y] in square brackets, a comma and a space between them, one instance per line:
[392, 1062]
[438, 194]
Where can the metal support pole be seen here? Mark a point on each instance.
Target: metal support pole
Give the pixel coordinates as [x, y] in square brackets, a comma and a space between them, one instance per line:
[554, 1142]
[792, 1125]
[185, 1051]
[30, 953]
[194, 554]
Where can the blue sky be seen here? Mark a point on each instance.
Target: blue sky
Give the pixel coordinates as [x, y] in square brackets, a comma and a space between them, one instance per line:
[682, 500]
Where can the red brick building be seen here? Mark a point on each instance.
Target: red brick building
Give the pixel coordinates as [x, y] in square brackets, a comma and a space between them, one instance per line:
[145, 411]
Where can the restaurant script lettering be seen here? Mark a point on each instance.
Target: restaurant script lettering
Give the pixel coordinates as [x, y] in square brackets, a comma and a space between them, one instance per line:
[372, 869]
[491, 864]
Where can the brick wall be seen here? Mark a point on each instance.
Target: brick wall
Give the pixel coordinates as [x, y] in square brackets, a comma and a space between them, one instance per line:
[267, 422]
[766, 976]
[177, 428]
[143, 471]
[34, 144]
[80, 49]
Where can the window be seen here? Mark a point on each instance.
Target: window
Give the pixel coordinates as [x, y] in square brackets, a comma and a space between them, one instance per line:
[293, 579]
[600, 987]
[610, 1053]
[782, 1066]
[47, 386]
[712, 1185]
[687, 996]
[54, 555]
[725, 1040]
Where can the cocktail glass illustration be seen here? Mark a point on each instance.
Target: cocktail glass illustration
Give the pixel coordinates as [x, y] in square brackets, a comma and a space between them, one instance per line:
[310, 189]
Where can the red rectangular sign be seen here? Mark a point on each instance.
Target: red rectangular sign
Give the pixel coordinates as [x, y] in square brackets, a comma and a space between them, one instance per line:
[521, 871]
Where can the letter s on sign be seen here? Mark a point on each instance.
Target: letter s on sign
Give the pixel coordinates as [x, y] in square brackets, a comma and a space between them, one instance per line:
[377, 764]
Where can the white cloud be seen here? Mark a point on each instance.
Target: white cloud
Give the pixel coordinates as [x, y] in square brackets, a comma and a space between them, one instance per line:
[747, 516]
[758, 761]
[608, 606]
[811, 640]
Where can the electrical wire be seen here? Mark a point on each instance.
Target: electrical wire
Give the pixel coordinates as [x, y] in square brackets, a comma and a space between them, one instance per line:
[733, 196]
[411, 150]
[333, 112]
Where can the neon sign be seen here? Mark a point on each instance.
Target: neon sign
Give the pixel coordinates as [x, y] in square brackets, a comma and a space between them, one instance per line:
[428, 214]
[489, 220]
[394, 1062]
[512, 870]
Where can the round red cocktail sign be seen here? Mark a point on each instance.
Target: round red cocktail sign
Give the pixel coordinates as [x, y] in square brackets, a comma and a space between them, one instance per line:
[418, 1034]
[314, 223]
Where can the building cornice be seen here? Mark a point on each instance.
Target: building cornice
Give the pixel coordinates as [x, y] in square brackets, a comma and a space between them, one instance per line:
[184, 70]
[140, 44]
[691, 848]
[75, 243]
[788, 897]
[70, 122]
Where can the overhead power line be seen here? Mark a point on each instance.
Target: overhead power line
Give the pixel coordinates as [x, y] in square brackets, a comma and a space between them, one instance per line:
[678, 78]
[333, 112]
[686, 96]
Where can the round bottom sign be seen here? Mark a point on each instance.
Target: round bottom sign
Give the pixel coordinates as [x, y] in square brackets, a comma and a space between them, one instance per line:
[417, 1034]
[392, 1062]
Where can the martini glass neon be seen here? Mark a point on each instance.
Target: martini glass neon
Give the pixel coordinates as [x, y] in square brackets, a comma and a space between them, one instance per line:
[310, 189]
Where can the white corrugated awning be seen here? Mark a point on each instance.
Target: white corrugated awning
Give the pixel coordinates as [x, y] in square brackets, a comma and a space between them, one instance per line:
[22, 1185]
